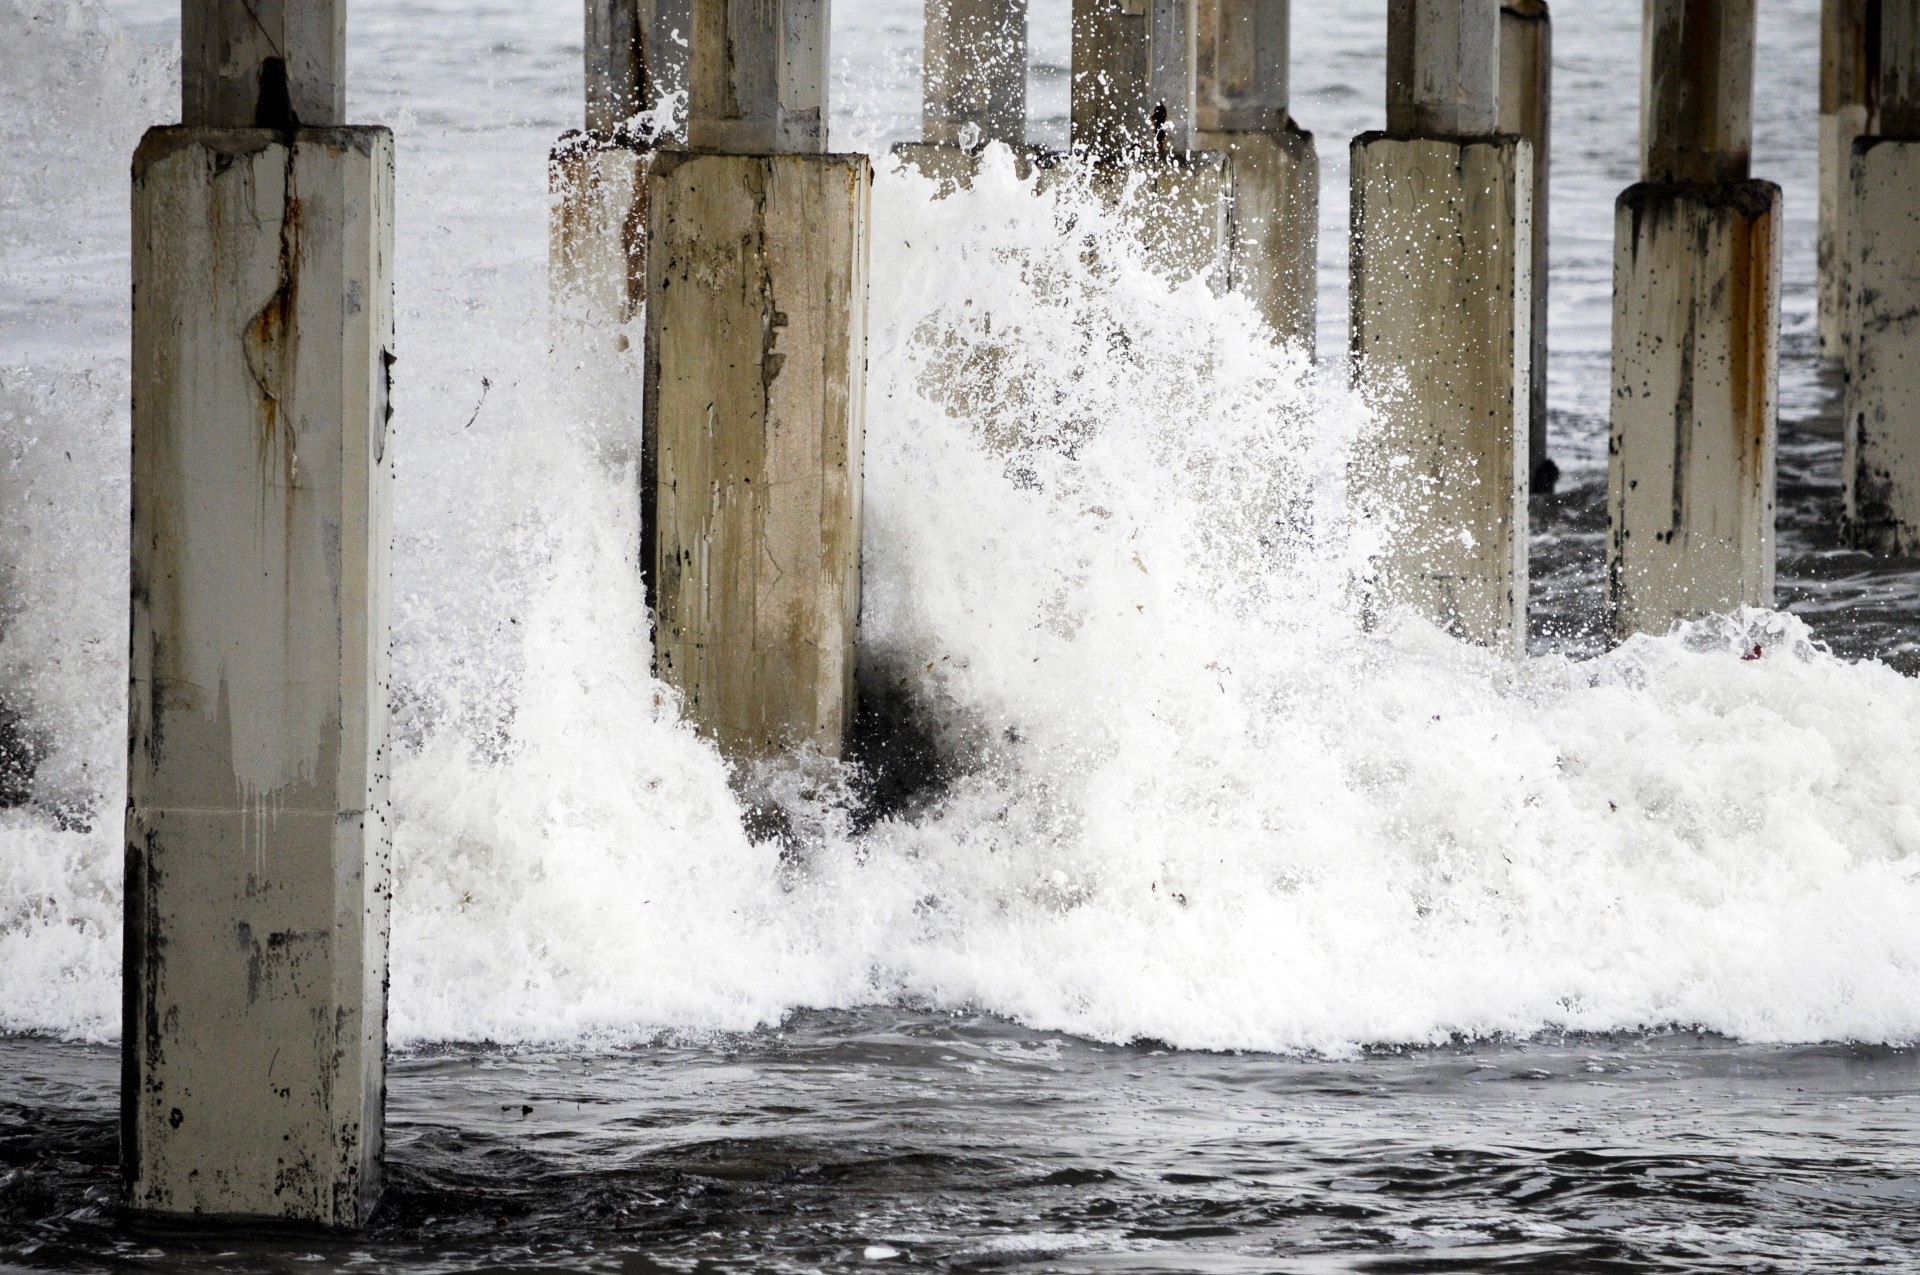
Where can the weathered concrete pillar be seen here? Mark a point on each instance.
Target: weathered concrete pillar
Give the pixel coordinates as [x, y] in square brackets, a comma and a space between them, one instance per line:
[1526, 110]
[263, 63]
[976, 73]
[1696, 324]
[757, 75]
[1240, 54]
[1442, 294]
[756, 387]
[257, 819]
[1111, 118]
[1132, 134]
[597, 183]
[636, 53]
[1443, 67]
[974, 91]
[1849, 102]
[1882, 420]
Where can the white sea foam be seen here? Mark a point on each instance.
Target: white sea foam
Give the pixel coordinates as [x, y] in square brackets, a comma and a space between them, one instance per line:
[1106, 566]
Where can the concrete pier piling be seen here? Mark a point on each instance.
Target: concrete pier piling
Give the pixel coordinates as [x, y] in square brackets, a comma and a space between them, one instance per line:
[1696, 324]
[976, 73]
[597, 183]
[257, 819]
[1526, 110]
[1240, 52]
[974, 87]
[1849, 108]
[756, 369]
[1132, 133]
[1110, 118]
[1881, 425]
[1441, 304]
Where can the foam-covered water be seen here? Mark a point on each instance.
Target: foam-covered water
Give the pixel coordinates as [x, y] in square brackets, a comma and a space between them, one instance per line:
[1182, 792]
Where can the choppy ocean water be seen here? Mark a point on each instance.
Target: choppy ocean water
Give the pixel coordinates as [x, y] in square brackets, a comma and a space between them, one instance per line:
[1438, 917]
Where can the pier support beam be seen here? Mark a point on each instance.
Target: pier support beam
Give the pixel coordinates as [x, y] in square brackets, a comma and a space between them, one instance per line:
[1849, 108]
[257, 820]
[1441, 299]
[756, 370]
[1526, 110]
[1881, 425]
[1241, 51]
[1696, 325]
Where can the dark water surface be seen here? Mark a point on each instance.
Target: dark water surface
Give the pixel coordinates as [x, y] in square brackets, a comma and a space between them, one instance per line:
[888, 1137]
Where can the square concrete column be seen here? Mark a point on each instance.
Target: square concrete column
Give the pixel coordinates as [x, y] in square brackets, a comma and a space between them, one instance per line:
[263, 63]
[756, 340]
[1882, 421]
[636, 53]
[597, 184]
[1849, 100]
[1696, 324]
[975, 89]
[1526, 110]
[1443, 67]
[1690, 474]
[756, 360]
[597, 238]
[757, 77]
[1882, 418]
[1442, 299]
[1240, 54]
[257, 815]
[1111, 117]
[1132, 119]
[1442, 283]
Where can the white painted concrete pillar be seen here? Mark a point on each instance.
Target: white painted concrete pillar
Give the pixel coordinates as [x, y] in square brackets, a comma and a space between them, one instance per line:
[1240, 54]
[1442, 295]
[1696, 325]
[1526, 110]
[756, 389]
[1849, 101]
[1882, 419]
[257, 819]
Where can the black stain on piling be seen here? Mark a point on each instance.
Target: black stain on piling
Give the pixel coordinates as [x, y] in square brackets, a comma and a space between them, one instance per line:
[274, 106]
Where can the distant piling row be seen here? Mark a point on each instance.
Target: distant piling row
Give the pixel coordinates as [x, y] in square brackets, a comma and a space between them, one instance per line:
[715, 274]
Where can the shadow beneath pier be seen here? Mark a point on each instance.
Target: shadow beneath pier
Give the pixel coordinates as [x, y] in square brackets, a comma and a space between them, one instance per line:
[904, 756]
